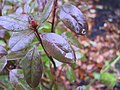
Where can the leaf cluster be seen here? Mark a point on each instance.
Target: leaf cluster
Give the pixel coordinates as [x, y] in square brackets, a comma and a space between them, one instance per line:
[29, 42]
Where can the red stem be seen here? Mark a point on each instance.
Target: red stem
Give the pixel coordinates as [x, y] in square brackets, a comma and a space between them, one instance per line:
[39, 38]
[1, 8]
[54, 13]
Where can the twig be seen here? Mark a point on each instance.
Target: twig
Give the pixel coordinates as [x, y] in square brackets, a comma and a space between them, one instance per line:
[60, 71]
[54, 80]
[37, 35]
[112, 64]
[54, 14]
[3, 85]
[0, 8]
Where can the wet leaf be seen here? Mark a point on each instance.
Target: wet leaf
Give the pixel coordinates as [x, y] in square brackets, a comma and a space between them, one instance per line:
[57, 47]
[41, 4]
[27, 8]
[73, 18]
[3, 62]
[108, 79]
[20, 40]
[70, 75]
[16, 55]
[2, 33]
[15, 75]
[32, 67]
[3, 51]
[72, 39]
[14, 22]
[19, 10]
[47, 10]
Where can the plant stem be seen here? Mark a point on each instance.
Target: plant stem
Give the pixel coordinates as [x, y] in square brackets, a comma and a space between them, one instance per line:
[38, 37]
[0, 8]
[115, 61]
[54, 13]
[112, 64]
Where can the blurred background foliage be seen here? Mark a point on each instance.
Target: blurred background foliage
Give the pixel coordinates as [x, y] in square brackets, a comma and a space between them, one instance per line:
[98, 53]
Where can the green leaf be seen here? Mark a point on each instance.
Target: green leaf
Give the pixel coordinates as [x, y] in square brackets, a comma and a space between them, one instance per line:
[47, 10]
[70, 75]
[80, 56]
[32, 67]
[16, 55]
[72, 39]
[108, 79]
[3, 62]
[3, 51]
[112, 64]
[73, 19]
[46, 27]
[57, 47]
[15, 75]
[46, 60]
[14, 22]
[87, 88]
[49, 74]
[20, 40]
[6, 84]
[2, 43]
[96, 76]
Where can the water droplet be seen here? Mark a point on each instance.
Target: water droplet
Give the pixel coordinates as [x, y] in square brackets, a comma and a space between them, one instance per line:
[83, 31]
